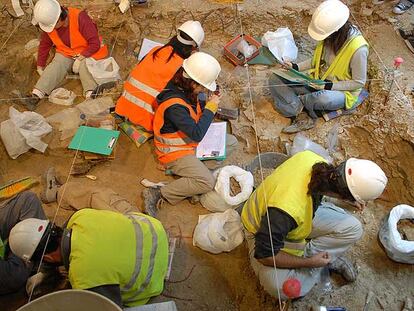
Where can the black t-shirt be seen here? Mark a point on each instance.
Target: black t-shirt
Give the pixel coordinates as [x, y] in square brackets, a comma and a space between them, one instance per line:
[281, 223]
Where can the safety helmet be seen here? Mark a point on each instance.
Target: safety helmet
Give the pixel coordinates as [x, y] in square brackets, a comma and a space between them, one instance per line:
[365, 179]
[46, 13]
[329, 17]
[26, 235]
[194, 30]
[202, 68]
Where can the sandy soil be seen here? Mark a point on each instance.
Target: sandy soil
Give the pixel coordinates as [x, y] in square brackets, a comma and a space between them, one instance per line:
[379, 131]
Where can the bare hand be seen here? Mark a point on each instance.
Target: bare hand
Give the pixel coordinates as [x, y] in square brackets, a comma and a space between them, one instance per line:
[320, 260]
[360, 206]
[287, 65]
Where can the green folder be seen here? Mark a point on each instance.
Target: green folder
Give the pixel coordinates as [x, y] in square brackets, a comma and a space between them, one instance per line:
[95, 140]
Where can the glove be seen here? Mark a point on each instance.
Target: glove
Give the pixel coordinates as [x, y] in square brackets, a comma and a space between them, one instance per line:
[212, 106]
[76, 64]
[40, 70]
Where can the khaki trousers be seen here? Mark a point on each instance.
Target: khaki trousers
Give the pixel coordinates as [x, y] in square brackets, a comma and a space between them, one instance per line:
[195, 179]
[56, 71]
[79, 195]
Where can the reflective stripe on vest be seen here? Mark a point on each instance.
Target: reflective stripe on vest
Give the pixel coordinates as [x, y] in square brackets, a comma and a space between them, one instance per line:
[172, 146]
[77, 42]
[135, 218]
[103, 251]
[143, 87]
[286, 189]
[146, 80]
[136, 101]
[339, 70]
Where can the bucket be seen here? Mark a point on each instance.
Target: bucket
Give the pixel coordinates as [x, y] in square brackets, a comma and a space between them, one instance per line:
[71, 300]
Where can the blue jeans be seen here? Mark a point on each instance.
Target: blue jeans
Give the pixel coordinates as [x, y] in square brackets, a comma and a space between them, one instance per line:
[286, 93]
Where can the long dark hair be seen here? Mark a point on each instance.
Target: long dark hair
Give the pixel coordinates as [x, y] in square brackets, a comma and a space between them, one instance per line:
[63, 13]
[328, 178]
[185, 85]
[183, 50]
[336, 40]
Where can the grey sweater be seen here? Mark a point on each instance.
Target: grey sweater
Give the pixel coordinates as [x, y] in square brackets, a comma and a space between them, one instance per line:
[358, 67]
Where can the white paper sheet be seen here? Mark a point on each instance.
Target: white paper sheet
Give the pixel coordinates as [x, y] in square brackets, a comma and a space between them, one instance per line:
[147, 45]
[213, 145]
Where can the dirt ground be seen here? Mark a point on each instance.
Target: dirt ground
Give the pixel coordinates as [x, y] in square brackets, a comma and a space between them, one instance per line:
[381, 131]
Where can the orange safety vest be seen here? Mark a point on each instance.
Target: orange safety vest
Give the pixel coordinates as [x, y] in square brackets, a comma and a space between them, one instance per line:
[77, 42]
[172, 146]
[146, 81]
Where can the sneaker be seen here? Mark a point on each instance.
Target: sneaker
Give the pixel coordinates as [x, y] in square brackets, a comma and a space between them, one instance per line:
[100, 88]
[403, 6]
[343, 266]
[299, 125]
[50, 184]
[152, 199]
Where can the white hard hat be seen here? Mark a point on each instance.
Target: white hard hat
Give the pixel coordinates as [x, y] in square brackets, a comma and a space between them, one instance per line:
[46, 13]
[202, 68]
[329, 17]
[365, 179]
[25, 237]
[194, 30]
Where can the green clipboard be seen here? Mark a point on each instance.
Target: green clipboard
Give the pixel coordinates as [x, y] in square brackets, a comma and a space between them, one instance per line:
[95, 140]
[295, 76]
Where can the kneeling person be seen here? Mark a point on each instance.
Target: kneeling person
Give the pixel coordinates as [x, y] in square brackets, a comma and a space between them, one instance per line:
[122, 257]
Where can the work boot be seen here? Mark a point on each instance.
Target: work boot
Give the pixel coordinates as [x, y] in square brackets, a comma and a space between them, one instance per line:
[302, 123]
[152, 199]
[30, 102]
[50, 184]
[343, 266]
[100, 88]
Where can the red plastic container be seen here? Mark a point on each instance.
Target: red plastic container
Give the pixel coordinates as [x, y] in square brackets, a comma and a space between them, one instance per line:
[231, 52]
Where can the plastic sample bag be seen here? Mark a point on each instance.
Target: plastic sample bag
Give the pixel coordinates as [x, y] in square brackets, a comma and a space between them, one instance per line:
[104, 70]
[396, 248]
[61, 96]
[244, 178]
[301, 143]
[218, 232]
[31, 126]
[281, 43]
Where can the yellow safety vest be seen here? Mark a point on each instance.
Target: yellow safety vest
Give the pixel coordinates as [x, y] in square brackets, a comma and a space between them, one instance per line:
[339, 69]
[112, 248]
[287, 189]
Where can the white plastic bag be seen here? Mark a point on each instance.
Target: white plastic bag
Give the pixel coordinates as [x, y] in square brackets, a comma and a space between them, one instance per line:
[301, 143]
[61, 96]
[24, 131]
[244, 178]
[281, 43]
[104, 70]
[397, 249]
[218, 232]
[12, 139]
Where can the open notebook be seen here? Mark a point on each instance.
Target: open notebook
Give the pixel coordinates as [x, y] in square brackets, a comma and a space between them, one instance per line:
[213, 145]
